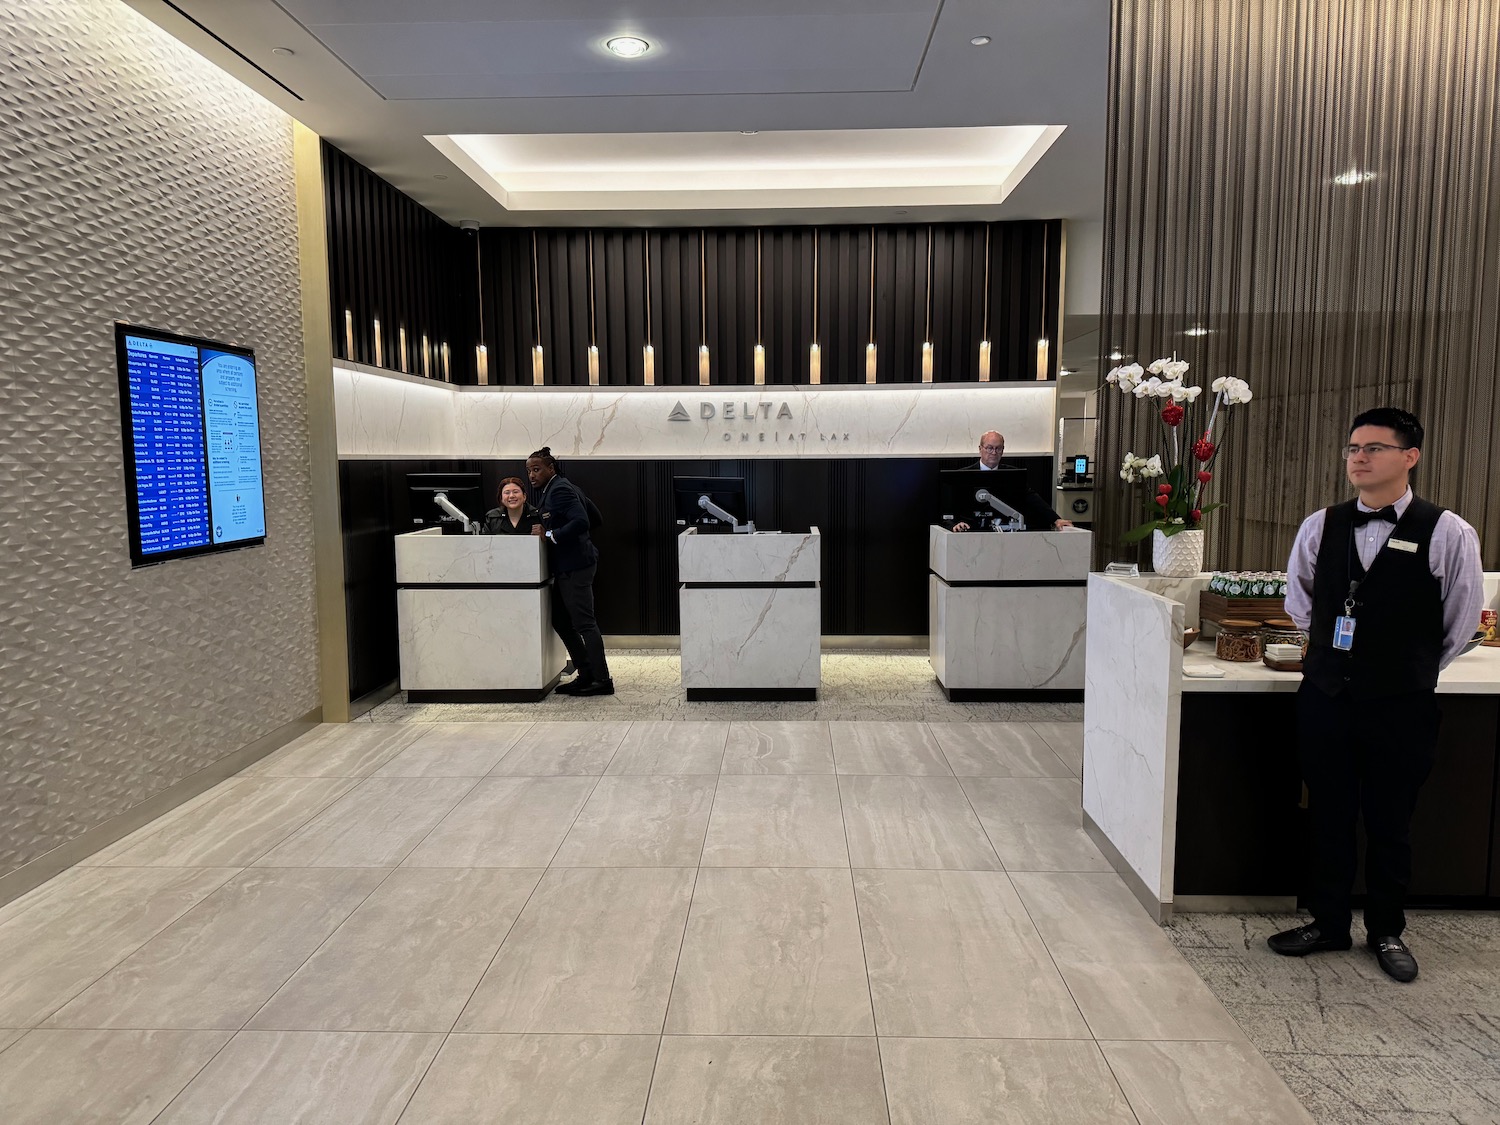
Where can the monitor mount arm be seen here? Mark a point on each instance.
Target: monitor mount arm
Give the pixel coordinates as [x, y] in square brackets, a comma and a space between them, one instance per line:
[442, 501]
[1011, 520]
[714, 510]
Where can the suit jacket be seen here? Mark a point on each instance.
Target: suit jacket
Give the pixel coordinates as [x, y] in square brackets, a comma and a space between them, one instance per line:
[566, 522]
[1038, 513]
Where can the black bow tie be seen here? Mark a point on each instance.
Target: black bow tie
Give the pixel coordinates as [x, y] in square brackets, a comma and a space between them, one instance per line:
[1388, 513]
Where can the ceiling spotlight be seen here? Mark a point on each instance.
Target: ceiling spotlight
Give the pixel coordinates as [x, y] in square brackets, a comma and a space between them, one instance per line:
[980, 41]
[1352, 177]
[1065, 371]
[1115, 357]
[901, 212]
[282, 51]
[440, 176]
[1196, 330]
[749, 132]
[628, 46]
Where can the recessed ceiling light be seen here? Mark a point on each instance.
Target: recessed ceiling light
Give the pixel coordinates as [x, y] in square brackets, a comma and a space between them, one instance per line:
[1352, 177]
[900, 212]
[440, 176]
[1196, 330]
[1065, 371]
[749, 132]
[980, 41]
[1115, 357]
[628, 46]
[282, 51]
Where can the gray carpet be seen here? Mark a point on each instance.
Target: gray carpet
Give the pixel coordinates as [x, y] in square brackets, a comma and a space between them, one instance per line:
[1353, 1045]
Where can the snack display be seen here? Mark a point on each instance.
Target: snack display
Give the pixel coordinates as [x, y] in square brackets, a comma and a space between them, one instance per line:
[1238, 641]
[1248, 584]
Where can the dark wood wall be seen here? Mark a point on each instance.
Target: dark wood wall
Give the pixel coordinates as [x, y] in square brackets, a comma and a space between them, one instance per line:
[873, 515]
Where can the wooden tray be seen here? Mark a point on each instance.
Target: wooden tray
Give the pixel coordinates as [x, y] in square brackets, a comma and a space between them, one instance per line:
[1216, 607]
[1489, 644]
[1282, 665]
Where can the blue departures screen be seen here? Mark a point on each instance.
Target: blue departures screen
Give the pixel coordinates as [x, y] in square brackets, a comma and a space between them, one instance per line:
[193, 435]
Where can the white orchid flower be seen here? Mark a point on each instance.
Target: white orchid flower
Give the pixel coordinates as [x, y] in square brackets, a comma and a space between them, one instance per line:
[1152, 468]
[1177, 368]
[1158, 366]
[1218, 384]
[1193, 393]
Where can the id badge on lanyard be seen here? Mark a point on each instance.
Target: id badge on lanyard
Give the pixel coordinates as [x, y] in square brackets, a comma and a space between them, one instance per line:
[1343, 627]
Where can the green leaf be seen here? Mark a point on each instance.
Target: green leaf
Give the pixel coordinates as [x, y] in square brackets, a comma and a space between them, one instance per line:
[1136, 534]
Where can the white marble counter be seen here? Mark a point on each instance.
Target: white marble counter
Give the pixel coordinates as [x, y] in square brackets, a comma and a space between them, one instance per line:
[1474, 673]
[1016, 556]
[754, 557]
[428, 557]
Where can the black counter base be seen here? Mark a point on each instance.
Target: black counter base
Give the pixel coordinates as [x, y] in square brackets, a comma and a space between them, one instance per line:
[751, 695]
[1011, 695]
[481, 695]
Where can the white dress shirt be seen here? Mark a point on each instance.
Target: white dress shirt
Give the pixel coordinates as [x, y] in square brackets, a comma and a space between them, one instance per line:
[1453, 556]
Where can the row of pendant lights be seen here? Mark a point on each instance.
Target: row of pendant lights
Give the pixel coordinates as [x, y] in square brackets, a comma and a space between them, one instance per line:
[439, 355]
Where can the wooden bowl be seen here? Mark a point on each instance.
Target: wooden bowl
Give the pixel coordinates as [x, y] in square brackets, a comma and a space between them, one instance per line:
[1188, 637]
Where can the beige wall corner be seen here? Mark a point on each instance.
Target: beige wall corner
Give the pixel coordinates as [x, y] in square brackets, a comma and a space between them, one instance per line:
[328, 542]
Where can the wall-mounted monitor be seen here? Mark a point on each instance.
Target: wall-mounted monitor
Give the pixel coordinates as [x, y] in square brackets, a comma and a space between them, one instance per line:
[190, 420]
[463, 492]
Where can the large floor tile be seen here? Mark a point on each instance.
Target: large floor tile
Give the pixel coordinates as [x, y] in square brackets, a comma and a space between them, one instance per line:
[106, 855]
[9, 1036]
[238, 826]
[953, 953]
[222, 960]
[338, 750]
[776, 822]
[99, 1077]
[1186, 1083]
[771, 951]
[997, 750]
[640, 822]
[899, 748]
[1150, 1000]
[548, 749]
[922, 822]
[311, 1078]
[765, 1080]
[773, 746]
[409, 958]
[375, 825]
[1092, 917]
[505, 822]
[71, 937]
[1034, 823]
[1066, 740]
[593, 953]
[536, 1080]
[455, 750]
[671, 747]
[1001, 1082]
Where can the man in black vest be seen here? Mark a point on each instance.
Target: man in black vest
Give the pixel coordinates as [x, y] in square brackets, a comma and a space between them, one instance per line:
[1389, 588]
[1038, 512]
[573, 559]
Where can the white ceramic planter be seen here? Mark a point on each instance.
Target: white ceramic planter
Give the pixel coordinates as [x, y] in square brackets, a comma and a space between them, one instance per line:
[1177, 556]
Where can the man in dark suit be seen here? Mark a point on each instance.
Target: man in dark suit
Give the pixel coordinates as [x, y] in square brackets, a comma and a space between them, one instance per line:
[1037, 511]
[573, 560]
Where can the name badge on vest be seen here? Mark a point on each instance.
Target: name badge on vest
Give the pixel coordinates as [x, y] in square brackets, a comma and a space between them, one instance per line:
[1402, 545]
[1343, 633]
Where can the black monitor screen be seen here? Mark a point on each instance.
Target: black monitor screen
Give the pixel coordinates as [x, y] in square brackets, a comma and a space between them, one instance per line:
[727, 492]
[190, 421]
[959, 503]
[463, 491]
[1081, 466]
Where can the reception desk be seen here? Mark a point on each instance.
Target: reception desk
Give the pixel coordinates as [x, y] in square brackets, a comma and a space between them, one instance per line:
[474, 618]
[1191, 783]
[751, 611]
[1006, 613]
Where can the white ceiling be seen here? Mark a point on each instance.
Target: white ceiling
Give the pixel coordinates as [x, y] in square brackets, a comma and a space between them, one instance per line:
[378, 77]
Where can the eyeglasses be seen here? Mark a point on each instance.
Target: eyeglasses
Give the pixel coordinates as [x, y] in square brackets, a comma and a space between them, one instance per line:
[992, 449]
[1370, 450]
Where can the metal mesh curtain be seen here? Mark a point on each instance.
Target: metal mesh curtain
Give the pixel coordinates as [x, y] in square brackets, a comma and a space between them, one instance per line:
[1317, 183]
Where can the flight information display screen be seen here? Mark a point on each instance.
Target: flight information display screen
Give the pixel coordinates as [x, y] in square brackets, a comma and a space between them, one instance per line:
[191, 428]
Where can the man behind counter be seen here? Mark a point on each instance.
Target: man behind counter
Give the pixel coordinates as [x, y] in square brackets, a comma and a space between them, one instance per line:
[1038, 512]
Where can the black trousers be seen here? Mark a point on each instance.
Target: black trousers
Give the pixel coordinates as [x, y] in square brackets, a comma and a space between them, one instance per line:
[573, 619]
[1365, 758]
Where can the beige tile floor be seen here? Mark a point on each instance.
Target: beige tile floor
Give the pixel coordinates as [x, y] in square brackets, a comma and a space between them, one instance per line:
[564, 923]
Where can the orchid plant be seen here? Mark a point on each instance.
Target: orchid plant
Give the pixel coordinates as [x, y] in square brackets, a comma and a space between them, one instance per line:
[1183, 480]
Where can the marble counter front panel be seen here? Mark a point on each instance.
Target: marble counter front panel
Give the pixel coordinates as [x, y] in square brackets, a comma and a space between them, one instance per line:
[477, 640]
[422, 557]
[751, 637]
[1016, 556]
[779, 557]
[1007, 637]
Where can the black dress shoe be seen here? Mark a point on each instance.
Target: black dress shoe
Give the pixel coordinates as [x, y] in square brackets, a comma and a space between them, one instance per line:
[598, 687]
[572, 687]
[1307, 939]
[1394, 958]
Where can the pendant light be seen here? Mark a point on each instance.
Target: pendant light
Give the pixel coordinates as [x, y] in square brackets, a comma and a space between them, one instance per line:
[426, 358]
[760, 350]
[984, 339]
[593, 336]
[927, 331]
[814, 356]
[537, 368]
[702, 310]
[379, 350]
[870, 347]
[349, 336]
[481, 351]
[648, 353]
[401, 353]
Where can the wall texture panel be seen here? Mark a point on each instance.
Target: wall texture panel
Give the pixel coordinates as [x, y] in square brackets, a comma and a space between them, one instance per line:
[139, 184]
[1229, 125]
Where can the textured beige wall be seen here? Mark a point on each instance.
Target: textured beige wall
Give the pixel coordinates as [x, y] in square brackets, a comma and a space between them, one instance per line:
[137, 183]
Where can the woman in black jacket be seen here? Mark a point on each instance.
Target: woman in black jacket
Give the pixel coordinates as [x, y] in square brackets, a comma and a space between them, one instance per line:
[573, 560]
[514, 516]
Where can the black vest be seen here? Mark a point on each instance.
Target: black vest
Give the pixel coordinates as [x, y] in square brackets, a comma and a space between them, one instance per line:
[1398, 613]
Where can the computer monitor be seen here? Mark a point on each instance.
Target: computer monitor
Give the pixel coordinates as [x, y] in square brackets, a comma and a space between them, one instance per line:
[958, 500]
[463, 490]
[727, 493]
